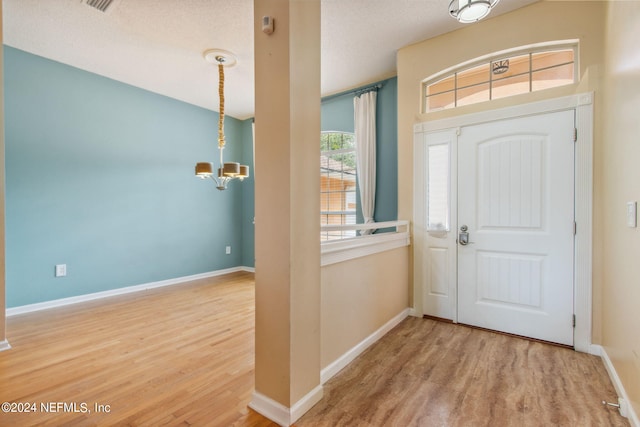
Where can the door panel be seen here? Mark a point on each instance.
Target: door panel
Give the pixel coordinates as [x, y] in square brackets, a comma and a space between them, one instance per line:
[509, 182]
[516, 198]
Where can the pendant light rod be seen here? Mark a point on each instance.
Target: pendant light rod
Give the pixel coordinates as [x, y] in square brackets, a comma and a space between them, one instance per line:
[221, 141]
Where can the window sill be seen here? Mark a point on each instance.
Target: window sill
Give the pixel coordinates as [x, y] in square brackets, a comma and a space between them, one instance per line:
[333, 252]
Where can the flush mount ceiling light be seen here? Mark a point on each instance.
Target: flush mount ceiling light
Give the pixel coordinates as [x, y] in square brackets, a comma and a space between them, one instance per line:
[467, 11]
[230, 170]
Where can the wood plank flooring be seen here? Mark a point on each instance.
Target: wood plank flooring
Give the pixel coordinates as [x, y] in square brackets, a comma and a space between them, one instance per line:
[430, 373]
[180, 355]
[184, 355]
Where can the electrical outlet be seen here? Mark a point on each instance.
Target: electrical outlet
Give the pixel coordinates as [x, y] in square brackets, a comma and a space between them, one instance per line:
[228, 250]
[61, 270]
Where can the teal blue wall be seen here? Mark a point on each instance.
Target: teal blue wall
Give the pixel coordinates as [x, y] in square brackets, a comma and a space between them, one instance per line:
[99, 176]
[337, 115]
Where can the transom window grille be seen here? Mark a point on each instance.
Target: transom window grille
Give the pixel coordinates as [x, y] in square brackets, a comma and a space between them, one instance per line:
[337, 183]
[500, 78]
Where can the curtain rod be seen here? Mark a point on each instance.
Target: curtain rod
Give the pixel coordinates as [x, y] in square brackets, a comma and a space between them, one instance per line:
[357, 92]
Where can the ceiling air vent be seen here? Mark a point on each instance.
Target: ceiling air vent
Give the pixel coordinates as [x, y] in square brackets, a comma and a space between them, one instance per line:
[101, 5]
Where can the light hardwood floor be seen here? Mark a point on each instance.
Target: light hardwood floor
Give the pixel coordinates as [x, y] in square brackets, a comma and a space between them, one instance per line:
[183, 355]
[180, 355]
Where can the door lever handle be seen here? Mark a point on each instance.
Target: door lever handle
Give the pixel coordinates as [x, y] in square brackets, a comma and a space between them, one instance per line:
[463, 236]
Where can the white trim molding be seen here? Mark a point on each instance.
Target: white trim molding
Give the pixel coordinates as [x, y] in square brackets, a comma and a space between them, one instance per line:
[280, 414]
[119, 291]
[4, 345]
[583, 244]
[334, 251]
[337, 365]
[626, 409]
[276, 412]
[538, 107]
[303, 405]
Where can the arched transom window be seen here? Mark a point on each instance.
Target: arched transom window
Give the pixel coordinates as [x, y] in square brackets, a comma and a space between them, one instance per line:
[527, 70]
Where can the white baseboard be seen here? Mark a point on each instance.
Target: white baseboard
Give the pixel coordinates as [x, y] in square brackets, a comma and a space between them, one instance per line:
[119, 291]
[4, 345]
[280, 414]
[303, 405]
[336, 366]
[595, 350]
[284, 416]
[626, 409]
[276, 412]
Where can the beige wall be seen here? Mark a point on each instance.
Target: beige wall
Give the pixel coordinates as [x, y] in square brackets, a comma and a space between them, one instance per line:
[537, 23]
[609, 59]
[287, 124]
[621, 183]
[358, 297]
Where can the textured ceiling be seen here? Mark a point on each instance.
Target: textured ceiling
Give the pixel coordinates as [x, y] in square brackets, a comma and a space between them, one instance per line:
[158, 44]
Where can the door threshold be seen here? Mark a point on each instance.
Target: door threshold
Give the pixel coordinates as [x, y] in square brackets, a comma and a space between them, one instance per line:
[570, 347]
[437, 319]
[443, 320]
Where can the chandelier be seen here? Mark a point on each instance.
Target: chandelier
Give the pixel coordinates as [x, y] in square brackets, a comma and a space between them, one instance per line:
[230, 170]
[467, 11]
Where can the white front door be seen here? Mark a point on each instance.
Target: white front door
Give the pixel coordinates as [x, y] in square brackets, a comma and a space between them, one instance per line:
[516, 210]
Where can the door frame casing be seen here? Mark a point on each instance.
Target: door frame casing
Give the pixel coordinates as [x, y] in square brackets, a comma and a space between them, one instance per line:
[583, 248]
